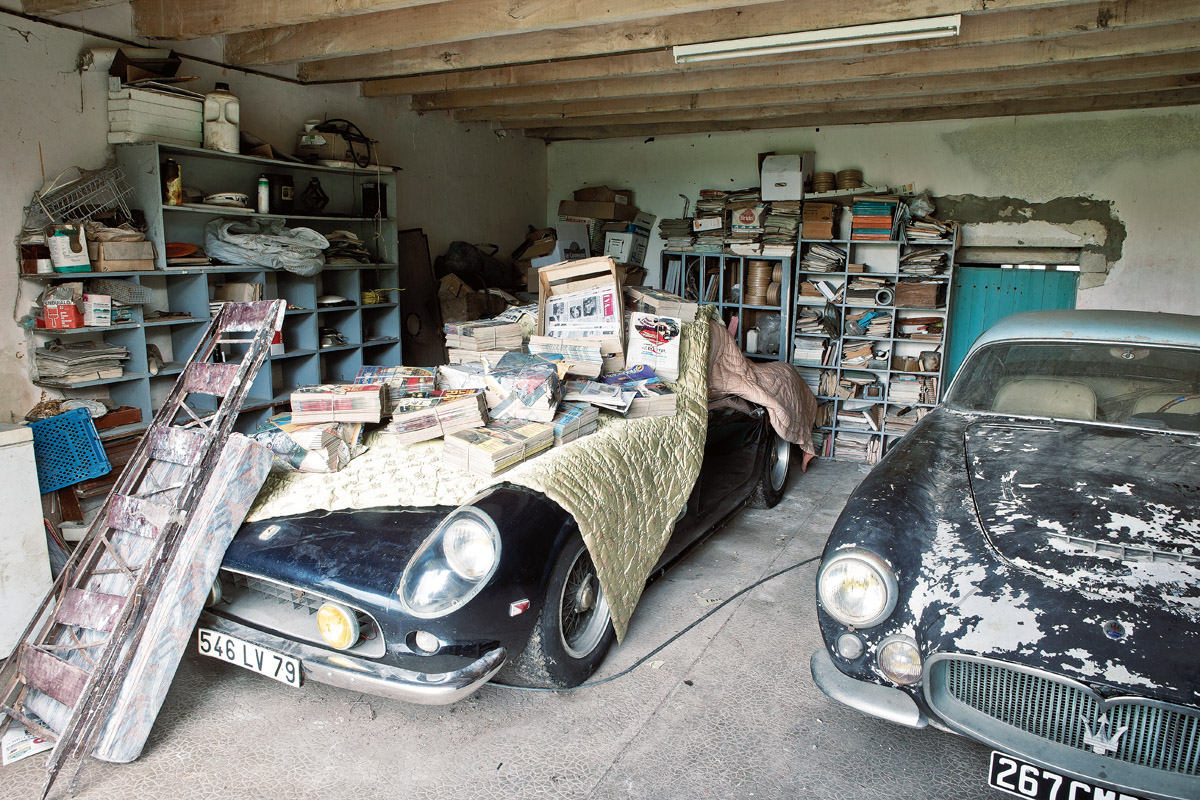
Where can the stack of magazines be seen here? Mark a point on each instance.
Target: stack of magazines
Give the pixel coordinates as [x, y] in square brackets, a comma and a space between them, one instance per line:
[573, 421]
[419, 419]
[79, 362]
[581, 354]
[926, 261]
[823, 258]
[652, 397]
[483, 334]
[338, 403]
[400, 381]
[497, 446]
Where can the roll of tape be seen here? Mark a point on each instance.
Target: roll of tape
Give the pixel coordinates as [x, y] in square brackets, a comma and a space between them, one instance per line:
[883, 297]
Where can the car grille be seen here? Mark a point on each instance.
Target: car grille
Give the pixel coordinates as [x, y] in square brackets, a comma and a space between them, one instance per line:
[1158, 735]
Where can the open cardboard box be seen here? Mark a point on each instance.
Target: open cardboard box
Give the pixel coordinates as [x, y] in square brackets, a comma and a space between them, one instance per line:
[576, 276]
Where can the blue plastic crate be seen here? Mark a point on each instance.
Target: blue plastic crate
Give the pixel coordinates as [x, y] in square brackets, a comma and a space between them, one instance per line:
[68, 450]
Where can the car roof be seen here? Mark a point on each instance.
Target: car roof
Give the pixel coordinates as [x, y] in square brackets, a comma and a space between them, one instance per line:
[1141, 327]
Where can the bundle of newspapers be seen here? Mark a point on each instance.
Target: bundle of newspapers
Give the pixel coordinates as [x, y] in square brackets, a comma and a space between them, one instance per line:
[346, 402]
[400, 382]
[497, 446]
[418, 419]
[573, 421]
[483, 334]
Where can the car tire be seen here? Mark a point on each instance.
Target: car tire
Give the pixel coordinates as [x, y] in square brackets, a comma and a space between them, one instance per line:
[574, 630]
[769, 490]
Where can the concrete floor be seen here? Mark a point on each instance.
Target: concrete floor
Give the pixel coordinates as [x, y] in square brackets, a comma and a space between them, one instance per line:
[729, 710]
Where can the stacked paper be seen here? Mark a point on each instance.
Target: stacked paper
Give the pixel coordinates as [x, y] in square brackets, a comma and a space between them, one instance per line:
[338, 403]
[399, 381]
[823, 258]
[573, 421]
[582, 355]
[652, 397]
[483, 334]
[441, 414]
[497, 446]
[529, 390]
[78, 362]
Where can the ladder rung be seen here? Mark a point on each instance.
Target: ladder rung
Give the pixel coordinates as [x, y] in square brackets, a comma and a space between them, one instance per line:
[38, 730]
[246, 316]
[176, 445]
[138, 516]
[94, 610]
[214, 379]
[51, 675]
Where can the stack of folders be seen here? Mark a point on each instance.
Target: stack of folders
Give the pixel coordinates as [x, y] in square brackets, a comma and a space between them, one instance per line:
[573, 421]
[419, 419]
[497, 446]
[483, 334]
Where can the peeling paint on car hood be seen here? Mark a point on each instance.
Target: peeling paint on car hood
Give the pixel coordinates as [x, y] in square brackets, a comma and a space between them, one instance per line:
[1112, 513]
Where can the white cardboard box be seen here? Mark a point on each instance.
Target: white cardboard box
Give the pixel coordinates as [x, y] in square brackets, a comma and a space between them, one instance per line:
[783, 177]
[571, 245]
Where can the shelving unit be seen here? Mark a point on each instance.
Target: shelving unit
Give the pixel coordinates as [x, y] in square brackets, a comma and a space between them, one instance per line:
[718, 279]
[882, 385]
[178, 312]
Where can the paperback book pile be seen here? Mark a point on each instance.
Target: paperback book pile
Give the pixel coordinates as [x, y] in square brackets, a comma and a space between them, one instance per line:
[874, 324]
[905, 389]
[78, 362]
[709, 221]
[856, 353]
[823, 258]
[654, 342]
[873, 218]
[652, 397]
[347, 402]
[928, 229]
[808, 350]
[860, 415]
[926, 261]
[497, 446]
[859, 447]
[483, 334]
[440, 414]
[818, 220]
[573, 421]
[399, 381]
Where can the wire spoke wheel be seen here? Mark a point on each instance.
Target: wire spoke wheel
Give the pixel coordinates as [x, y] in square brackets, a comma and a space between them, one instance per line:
[583, 610]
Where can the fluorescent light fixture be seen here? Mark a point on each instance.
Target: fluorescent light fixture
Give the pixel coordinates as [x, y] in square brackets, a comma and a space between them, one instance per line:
[851, 36]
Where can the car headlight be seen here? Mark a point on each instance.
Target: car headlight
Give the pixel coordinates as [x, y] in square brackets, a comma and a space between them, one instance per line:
[451, 565]
[857, 588]
[900, 660]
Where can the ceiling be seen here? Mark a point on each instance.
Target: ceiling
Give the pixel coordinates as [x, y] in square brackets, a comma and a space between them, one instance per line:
[566, 69]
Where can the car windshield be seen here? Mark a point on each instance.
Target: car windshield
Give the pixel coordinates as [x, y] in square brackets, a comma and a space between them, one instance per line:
[1122, 384]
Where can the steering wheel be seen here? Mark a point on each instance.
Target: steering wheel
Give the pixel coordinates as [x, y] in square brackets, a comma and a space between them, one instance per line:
[1183, 398]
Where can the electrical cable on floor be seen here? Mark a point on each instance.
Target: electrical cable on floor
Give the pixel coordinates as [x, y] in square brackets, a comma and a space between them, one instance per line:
[668, 642]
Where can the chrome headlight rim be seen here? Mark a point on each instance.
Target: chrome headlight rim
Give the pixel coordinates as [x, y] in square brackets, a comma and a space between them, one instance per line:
[432, 564]
[881, 571]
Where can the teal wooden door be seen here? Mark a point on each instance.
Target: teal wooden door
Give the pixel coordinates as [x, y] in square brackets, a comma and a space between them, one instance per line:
[983, 295]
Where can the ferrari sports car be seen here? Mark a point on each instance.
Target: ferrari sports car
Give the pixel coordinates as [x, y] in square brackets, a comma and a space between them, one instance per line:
[1023, 568]
[428, 604]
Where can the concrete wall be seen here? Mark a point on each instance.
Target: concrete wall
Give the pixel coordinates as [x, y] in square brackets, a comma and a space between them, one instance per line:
[456, 183]
[1120, 183]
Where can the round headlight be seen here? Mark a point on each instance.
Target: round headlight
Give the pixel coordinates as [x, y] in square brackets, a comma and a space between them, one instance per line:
[857, 588]
[900, 660]
[338, 625]
[470, 548]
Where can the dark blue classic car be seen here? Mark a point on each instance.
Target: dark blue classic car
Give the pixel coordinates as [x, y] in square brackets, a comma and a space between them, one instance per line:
[428, 604]
[1023, 568]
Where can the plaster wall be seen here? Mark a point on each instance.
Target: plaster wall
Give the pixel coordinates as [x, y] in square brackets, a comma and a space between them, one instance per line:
[1142, 165]
[456, 183]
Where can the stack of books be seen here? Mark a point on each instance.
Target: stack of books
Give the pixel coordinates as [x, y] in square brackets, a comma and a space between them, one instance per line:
[860, 415]
[483, 334]
[873, 324]
[904, 389]
[652, 397]
[811, 377]
[901, 419]
[808, 350]
[928, 229]
[823, 258]
[830, 292]
[573, 421]
[442, 413]
[872, 218]
[79, 362]
[497, 446]
[855, 353]
[347, 402]
[676, 233]
[818, 220]
[860, 447]
[399, 381]
[921, 329]
[926, 261]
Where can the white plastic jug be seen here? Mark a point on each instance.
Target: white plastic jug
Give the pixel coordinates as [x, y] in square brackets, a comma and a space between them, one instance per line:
[222, 117]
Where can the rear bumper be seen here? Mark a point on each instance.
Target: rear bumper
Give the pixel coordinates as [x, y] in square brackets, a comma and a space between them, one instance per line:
[885, 702]
[370, 677]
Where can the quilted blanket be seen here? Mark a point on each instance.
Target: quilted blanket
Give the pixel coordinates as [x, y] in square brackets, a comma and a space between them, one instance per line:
[625, 484]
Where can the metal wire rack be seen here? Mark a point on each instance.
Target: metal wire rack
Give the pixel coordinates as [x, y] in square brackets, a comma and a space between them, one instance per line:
[79, 198]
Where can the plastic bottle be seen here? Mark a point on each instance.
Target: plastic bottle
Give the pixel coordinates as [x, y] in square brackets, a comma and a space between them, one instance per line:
[264, 194]
[222, 118]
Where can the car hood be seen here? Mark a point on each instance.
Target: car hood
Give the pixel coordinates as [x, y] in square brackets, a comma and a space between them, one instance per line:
[1109, 512]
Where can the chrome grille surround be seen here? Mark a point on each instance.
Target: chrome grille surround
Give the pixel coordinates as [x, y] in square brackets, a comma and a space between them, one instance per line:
[1046, 718]
[289, 611]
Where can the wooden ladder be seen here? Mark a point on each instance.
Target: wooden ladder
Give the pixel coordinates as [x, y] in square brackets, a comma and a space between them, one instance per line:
[67, 670]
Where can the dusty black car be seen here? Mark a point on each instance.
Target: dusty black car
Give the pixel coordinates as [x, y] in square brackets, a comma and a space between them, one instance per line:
[1023, 568]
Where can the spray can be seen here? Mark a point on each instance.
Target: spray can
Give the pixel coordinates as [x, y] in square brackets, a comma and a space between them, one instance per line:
[264, 194]
[222, 118]
[172, 183]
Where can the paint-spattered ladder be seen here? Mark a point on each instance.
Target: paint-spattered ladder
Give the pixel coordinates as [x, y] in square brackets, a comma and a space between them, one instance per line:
[64, 676]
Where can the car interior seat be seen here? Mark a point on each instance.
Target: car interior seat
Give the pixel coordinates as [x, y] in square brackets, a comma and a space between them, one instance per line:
[1151, 403]
[1047, 397]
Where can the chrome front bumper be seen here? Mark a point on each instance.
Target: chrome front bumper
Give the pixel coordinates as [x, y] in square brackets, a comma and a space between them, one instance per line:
[885, 702]
[360, 675]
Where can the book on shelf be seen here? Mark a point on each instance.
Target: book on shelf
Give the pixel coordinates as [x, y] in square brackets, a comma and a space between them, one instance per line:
[497, 446]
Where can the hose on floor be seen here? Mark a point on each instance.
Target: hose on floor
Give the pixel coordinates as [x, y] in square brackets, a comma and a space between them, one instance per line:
[668, 642]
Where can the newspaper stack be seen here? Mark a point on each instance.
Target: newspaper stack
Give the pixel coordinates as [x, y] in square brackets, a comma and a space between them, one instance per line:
[808, 350]
[652, 397]
[485, 357]
[823, 258]
[656, 301]
[483, 334]
[400, 382]
[582, 355]
[928, 229]
[677, 233]
[338, 403]
[926, 261]
[527, 388]
[598, 394]
[780, 227]
[497, 446]
[575, 420]
[419, 419]
[79, 362]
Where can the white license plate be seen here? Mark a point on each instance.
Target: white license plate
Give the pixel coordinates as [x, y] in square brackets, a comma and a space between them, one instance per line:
[1020, 778]
[283, 668]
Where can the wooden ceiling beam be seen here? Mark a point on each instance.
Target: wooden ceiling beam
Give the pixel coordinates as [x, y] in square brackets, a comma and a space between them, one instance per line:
[652, 40]
[1106, 44]
[1185, 66]
[610, 36]
[187, 19]
[1012, 108]
[52, 8]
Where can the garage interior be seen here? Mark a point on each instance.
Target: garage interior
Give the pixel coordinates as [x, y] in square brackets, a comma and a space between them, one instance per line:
[1055, 134]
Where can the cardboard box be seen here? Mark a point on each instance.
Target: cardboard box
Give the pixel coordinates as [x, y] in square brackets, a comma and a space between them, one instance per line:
[121, 256]
[576, 276]
[627, 248]
[574, 208]
[138, 63]
[595, 230]
[460, 303]
[62, 315]
[237, 292]
[572, 243]
[97, 310]
[784, 177]
[603, 194]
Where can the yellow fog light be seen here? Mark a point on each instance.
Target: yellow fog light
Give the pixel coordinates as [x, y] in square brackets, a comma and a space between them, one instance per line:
[338, 625]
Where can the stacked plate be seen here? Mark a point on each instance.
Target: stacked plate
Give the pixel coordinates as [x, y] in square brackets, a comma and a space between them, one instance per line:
[849, 179]
[758, 282]
[824, 182]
